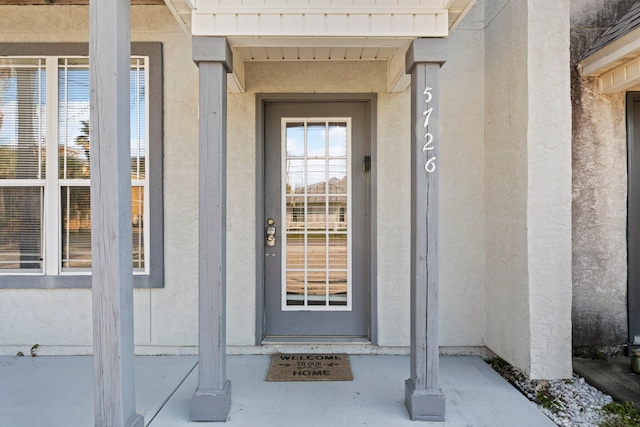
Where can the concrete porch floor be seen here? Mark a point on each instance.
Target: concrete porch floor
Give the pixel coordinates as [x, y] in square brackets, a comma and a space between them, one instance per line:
[58, 391]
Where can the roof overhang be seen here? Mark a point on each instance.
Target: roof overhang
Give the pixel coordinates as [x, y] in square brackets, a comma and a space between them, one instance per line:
[268, 30]
[616, 65]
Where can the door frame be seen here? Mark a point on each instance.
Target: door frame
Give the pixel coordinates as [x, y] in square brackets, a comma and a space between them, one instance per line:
[261, 101]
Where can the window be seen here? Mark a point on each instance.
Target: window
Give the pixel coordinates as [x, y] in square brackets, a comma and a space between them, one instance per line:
[45, 221]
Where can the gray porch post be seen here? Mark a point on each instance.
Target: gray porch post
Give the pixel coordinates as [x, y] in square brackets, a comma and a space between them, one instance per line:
[423, 397]
[212, 399]
[112, 281]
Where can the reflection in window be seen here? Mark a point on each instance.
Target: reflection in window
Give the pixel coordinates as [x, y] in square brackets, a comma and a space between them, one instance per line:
[317, 231]
[25, 187]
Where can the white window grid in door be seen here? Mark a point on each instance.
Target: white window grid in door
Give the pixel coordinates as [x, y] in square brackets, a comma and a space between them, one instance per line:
[316, 213]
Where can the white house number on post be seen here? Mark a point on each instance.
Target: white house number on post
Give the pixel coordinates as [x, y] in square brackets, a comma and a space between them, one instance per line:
[430, 166]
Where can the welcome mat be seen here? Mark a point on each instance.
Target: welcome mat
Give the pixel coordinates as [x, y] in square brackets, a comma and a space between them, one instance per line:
[309, 367]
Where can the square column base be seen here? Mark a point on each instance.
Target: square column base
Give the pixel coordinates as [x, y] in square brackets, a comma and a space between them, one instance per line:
[136, 421]
[211, 405]
[424, 405]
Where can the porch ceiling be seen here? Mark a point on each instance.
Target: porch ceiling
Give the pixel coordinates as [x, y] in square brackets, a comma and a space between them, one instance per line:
[320, 30]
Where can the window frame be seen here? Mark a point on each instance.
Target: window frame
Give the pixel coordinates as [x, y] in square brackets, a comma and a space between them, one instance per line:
[154, 158]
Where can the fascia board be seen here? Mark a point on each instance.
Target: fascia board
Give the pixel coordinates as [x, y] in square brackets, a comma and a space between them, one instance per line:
[612, 55]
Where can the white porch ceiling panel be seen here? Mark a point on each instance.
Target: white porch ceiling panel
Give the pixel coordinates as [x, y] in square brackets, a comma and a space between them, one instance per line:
[318, 53]
[303, 18]
[320, 30]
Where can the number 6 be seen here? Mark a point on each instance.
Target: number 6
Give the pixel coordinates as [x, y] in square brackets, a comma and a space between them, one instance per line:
[430, 166]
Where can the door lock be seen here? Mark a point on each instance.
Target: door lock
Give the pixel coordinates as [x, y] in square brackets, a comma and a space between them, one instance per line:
[271, 233]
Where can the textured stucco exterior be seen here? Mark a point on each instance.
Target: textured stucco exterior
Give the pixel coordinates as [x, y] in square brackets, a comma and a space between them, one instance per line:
[599, 314]
[527, 182]
[505, 280]
[166, 319]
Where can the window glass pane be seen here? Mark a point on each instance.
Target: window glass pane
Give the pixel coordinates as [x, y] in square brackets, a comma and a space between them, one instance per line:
[295, 213]
[76, 227]
[337, 139]
[316, 213]
[294, 170]
[20, 229]
[22, 118]
[295, 139]
[73, 118]
[338, 176]
[74, 158]
[338, 288]
[316, 176]
[295, 287]
[137, 225]
[138, 113]
[24, 187]
[337, 213]
[338, 251]
[316, 140]
[75, 217]
[316, 287]
[295, 251]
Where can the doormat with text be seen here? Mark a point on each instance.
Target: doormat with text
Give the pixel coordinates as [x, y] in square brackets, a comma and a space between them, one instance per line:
[309, 367]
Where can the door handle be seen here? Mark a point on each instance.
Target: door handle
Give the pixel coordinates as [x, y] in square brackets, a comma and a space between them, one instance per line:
[271, 233]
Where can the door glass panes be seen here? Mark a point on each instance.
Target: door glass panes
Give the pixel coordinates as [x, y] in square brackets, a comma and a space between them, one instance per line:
[316, 207]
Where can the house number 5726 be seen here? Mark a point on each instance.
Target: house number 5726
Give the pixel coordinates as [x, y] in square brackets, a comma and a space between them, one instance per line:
[430, 166]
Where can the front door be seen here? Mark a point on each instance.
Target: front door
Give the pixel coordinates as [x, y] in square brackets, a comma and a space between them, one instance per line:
[316, 229]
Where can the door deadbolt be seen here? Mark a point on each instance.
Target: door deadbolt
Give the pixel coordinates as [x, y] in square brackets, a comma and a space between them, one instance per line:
[270, 233]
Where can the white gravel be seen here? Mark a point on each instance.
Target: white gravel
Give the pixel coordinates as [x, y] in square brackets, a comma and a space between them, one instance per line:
[568, 403]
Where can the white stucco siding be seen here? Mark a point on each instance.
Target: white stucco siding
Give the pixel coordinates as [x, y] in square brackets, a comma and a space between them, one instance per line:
[549, 189]
[241, 219]
[174, 313]
[528, 181]
[507, 303]
[462, 311]
[393, 157]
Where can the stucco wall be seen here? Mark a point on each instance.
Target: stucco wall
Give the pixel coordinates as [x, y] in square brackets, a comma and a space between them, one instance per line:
[166, 319]
[508, 329]
[527, 181]
[549, 190]
[599, 190]
[462, 188]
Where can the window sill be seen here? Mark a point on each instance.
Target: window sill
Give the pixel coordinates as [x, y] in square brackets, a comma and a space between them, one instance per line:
[31, 281]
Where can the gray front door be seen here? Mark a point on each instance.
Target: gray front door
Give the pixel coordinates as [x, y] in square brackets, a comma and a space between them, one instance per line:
[316, 220]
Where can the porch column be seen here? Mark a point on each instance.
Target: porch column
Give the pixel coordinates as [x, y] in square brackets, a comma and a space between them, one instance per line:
[423, 397]
[212, 399]
[111, 260]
